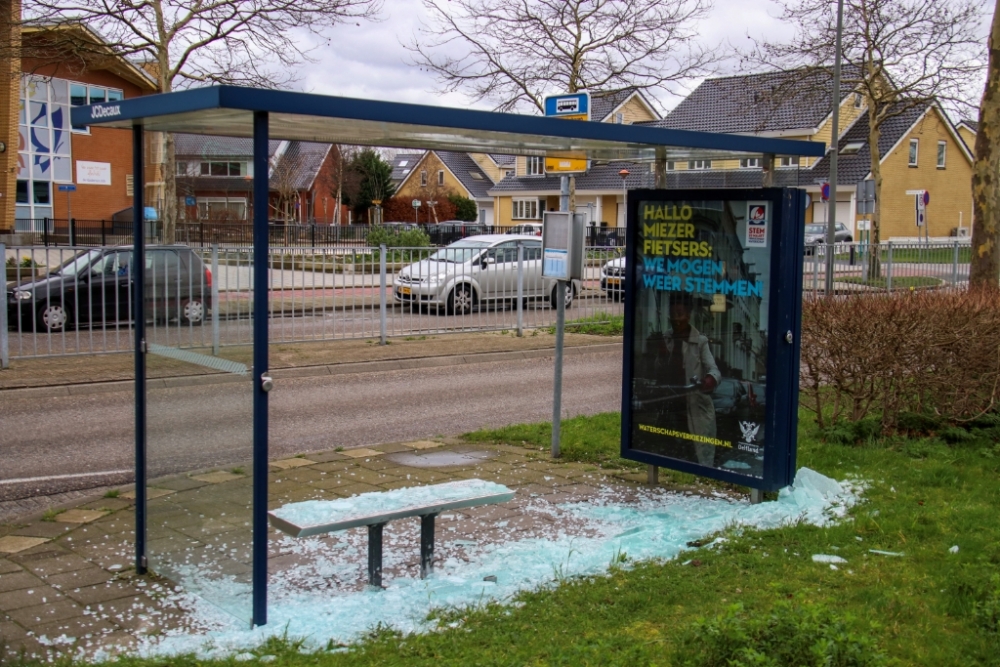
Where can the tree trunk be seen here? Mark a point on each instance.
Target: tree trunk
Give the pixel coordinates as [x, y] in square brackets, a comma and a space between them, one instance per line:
[874, 133]
[984, 271]
[169, 214]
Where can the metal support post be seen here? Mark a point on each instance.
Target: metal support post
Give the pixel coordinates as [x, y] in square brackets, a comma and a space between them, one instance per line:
[375, 555]
[954, 266]
[520, 289]
[139, 355]
[756, 496]
[426, 545]
[888, 268]
[260, 364]
[381, 295]
[831, 221]
[215, 299]
[72, 232]
[661, 168]
[652, 475]
[557, 388]
[4, 337]
[564, 193]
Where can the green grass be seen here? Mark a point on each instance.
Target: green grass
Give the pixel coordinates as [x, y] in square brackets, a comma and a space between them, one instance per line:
[759, 599]
[902, 282]
[598, 324]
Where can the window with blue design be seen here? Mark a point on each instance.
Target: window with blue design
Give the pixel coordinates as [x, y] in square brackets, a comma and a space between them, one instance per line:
[44, 150]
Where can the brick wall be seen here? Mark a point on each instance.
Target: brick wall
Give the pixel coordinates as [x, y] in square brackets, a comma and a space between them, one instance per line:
[10, 68]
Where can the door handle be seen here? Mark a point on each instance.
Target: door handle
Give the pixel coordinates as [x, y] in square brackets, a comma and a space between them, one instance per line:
[266, 383]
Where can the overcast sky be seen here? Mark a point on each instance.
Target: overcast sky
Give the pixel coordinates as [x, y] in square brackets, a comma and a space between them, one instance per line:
[369, 61]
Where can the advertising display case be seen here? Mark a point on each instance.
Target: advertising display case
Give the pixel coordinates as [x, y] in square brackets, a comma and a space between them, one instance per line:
[712, 317]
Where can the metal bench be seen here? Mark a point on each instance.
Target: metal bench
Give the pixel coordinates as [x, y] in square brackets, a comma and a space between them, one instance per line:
[374, 510]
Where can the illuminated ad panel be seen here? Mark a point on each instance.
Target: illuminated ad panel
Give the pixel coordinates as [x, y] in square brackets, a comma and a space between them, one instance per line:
[713, 285]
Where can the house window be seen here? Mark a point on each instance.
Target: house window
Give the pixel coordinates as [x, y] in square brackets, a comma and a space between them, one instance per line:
[851, 147]
[858, 100]
[914, 151]
[423, 179]
[43, 153]
[671, 165]
[441, 177]
[788, 161]
[942, 153]
[527, 209]
[219, 168]
[83, 94]
[182, 168]
[535, 166]
[620, 118]
[699, 164]
[222, 208]
[750, 163]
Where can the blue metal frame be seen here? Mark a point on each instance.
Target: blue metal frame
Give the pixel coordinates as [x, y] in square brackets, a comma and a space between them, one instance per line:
[139, 331]
[284, 106]
[260, 363]
[784, 314]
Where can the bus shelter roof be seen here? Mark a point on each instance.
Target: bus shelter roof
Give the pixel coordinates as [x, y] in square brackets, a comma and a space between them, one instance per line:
[229, 111]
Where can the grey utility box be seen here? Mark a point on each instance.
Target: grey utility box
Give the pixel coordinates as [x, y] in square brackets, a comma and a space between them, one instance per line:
[563, 234]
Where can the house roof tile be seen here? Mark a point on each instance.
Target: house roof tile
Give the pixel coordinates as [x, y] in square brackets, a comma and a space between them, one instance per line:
[475, 180]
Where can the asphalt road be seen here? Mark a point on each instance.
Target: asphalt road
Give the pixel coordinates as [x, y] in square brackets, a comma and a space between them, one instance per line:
[58, 444]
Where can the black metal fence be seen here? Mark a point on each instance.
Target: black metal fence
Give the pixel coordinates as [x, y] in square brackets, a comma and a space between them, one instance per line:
[93, 233]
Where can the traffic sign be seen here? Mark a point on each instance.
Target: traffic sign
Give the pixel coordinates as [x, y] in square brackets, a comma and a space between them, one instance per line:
[573, 106]
[190, 201]
[67, 188]
[824, 192]
[927, 197]
[415, 203]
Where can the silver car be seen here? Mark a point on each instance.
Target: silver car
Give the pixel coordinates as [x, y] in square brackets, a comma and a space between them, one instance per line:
[476, 271]
[816, 235]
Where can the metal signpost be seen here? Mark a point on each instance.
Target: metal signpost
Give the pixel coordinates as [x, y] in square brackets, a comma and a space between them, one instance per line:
[712, 319]
[69, 189]
[416, 211]
[562, 259]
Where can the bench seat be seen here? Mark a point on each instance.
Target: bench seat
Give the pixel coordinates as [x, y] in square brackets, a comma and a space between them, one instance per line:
[375, 509]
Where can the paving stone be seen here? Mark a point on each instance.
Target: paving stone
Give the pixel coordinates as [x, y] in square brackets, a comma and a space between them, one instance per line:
[106, 504]
[361, 452]
[422, 444]
[179, 483]
[13, 581]
[328, 457]
[7, 566]
[91, 595]
[356, 489]
[40, 594]
[42, 529]
[392, 448]
[45, 613]
[286, 464]
[85, 629]
[217, 477]
[151, 492]
[365, 476]
[58, 565]
[12, 544]
[334, 467]
[87, 576]
[380, 463]
[80, 516]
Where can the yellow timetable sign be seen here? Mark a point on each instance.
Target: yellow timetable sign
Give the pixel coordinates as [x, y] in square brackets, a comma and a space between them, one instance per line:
[563, 165]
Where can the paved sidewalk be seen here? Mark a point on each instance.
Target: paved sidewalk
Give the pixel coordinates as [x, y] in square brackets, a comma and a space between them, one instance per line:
[68, 586]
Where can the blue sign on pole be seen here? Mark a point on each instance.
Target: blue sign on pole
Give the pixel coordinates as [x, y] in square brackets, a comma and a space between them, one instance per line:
[573, 105]
[190, 201]
[67, 188]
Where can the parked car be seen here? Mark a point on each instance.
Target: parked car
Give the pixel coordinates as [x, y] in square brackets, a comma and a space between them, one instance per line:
[475, 271]
[613, 278]
[95, 288]
[527, 229]
[449, 231]
[816, 235]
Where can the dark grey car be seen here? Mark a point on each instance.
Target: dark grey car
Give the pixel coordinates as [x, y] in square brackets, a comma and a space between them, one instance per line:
[94, 288]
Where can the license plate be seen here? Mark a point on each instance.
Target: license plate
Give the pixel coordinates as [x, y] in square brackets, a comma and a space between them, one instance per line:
[404, 290]
[614, 281]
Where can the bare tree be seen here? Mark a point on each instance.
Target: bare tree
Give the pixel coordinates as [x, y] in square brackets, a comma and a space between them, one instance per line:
[196, 42]
[514, 52]
[985, 269]
[898, 54]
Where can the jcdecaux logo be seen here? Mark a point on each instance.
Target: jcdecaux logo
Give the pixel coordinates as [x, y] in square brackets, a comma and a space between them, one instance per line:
[105, 112]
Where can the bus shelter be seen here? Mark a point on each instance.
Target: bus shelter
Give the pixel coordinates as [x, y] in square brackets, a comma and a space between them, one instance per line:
[217, 546]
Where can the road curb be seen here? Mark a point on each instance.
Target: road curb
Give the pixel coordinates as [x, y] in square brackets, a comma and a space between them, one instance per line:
[413, 363]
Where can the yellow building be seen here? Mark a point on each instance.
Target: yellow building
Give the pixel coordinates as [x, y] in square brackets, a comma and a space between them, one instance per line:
[434, 175]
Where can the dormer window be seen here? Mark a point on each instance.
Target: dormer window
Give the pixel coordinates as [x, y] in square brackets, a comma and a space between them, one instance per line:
[699, 164]
[750, 163]
[859, 99]
[620, 118]
[476, 176]
[534, 166]
[788, 161]
[851, 147]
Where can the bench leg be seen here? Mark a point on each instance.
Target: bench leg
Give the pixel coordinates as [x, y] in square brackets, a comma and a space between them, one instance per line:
[375, 555]
[426, 545]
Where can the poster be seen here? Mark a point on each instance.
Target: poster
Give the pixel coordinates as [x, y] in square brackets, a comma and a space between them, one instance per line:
[700, 281]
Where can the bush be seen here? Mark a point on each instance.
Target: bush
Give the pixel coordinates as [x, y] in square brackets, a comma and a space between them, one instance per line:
[465, 208]
[391, 238]
[917, 361]
[801, 636]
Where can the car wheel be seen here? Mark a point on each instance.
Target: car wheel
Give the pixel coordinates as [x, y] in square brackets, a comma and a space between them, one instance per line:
[461, 300]
[53, 317]
[193, 312]
[617, 295]
[569, 296]
[848, 240]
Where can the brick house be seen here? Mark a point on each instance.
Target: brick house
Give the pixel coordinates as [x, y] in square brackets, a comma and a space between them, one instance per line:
[214, 180]
[50, 153]
[437, 174]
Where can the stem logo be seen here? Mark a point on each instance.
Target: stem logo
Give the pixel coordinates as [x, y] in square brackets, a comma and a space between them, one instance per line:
[756, 225]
